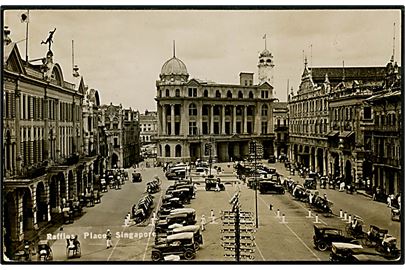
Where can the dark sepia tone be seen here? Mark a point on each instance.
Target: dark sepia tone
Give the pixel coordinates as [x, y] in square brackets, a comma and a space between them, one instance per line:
[202, 135]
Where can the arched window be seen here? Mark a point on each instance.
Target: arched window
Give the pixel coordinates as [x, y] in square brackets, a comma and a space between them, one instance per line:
[205, 93]
[240, 94]
[217, 94]
[250, 94]
[177, 92]
[167, 93]
[264, 110]
[192, 109]
[178, 150]
[167, 150]
[229, 94]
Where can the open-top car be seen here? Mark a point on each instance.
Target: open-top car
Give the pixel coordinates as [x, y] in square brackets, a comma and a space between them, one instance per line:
[324, 236]
[270, 187]
[347, 253]
[181, 244]
[183, 216]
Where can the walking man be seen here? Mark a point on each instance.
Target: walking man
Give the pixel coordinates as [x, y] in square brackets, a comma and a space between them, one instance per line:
[109, 241]
[203, 222]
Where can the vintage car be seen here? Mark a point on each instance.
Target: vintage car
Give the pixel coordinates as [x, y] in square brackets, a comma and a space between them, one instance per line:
[272, 159]
[342, 251]
[211, 184]
[44, 251]
[310, 183]
[136, 177]
[348, 253]
[181, 244]
[183, 216]
[270, 187]
[323, 181]
[375, 236]
[322, 205]
[176, 228]
[176, 173]
[300, 193]
[184, 194]
[324, 237]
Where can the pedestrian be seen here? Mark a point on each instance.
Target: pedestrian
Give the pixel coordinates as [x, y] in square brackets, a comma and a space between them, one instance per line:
[203, 222]
[108, 237]
[194, 190]
[389, 200]
[342, 186]
[324, 196]
[311, 196]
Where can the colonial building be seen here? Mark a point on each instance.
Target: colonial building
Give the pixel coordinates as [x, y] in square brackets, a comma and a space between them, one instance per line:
[122, 131]
[131, 140]
[44, 153]
[324, 122]
[384, 132]
[148, 123]
[199, 119]
[280, 115]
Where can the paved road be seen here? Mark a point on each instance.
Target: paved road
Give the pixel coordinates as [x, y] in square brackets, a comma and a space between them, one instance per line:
[131, 243]
[275, 240]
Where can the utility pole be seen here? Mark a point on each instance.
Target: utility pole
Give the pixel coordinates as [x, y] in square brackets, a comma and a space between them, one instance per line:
[256, 184]
[237, 232]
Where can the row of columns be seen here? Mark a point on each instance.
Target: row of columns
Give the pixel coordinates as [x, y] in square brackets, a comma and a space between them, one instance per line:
[257, 118]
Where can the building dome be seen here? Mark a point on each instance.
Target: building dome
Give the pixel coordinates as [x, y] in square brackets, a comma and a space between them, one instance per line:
[174, 66]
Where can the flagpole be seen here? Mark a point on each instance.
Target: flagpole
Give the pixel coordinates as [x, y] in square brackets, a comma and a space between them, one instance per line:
[26, 38]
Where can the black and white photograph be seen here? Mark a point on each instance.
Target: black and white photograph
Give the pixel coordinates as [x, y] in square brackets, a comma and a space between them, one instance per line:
[202, 134]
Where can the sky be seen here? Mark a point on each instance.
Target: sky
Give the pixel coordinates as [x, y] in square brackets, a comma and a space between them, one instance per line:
[120, 52]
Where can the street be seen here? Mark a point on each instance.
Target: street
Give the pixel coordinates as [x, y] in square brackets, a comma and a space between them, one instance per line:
[275, 240]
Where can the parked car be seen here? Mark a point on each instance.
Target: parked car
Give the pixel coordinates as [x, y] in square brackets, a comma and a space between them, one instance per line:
[272, 159]
[136, 177]
[270, 186]
[324, 236]
[211, 184]
[310, 183]
[195, 229]
[181, 244]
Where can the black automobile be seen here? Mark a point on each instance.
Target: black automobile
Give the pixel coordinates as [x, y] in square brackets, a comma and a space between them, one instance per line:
[211, 184]
[349, 253]
[324, 237]
[300, 193]
[181, 244]
[322, 205]
[183, 216]
[270, 187]
[310, 183]
[272, 159]
[195, 229]
[136, 177]
[184, 194]
[323, 181]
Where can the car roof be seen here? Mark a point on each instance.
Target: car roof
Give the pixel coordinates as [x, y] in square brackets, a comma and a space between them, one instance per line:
[346, 245]
[323, 227]
[184, 235]
[43, 242]
[188, 228]
[183, 210]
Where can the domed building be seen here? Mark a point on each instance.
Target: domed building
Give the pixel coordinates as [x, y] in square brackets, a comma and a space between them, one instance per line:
[201, 119]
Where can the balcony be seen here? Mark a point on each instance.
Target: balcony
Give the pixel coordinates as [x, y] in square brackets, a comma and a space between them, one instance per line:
[281, 128]
[34, 171]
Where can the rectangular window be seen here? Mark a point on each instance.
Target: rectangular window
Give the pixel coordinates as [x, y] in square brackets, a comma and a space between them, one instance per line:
[367, 112]
[192, 128]
[264, 127]
[205, 128]
[228, 128]
[249, 127]
[216, 127]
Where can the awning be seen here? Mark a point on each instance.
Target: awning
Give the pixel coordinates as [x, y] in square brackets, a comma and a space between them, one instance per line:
[346, 134]
[333, 133]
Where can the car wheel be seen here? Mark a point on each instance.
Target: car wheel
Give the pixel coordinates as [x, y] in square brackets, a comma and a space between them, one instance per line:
[322, 246]
[156, 256]
[188, 254]
[283, 191]
[206, 188]
[196, 246]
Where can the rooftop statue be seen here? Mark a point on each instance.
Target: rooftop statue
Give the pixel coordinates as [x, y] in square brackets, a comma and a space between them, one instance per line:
[49, 40]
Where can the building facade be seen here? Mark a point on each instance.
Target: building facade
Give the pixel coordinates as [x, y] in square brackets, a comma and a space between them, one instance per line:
[148, 123]
[131, 138]
[280, 122]
[384, 132]
[203, 119]
[333, 126]
[44, 150]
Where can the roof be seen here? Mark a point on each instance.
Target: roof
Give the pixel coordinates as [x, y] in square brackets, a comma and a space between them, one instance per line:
[185, 235]
[183, 210]
[7, 51]
[174, 66]
[188, 228]
[345, 134]
[350, 73]
[346, 245]
[385, 94]
[333, 133]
